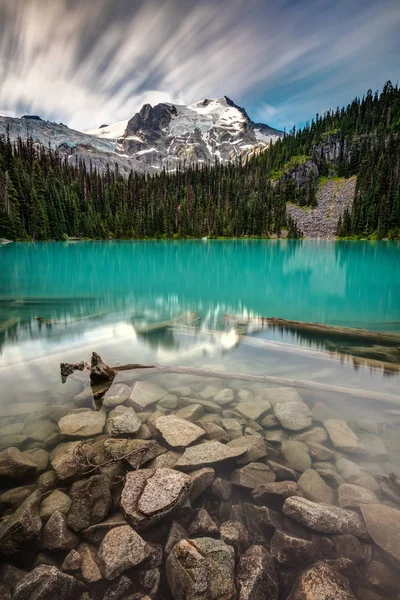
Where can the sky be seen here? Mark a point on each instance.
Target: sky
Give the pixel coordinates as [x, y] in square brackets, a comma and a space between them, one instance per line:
[92, 62]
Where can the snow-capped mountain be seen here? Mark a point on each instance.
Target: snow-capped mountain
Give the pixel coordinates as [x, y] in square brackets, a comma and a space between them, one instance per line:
[156, 137]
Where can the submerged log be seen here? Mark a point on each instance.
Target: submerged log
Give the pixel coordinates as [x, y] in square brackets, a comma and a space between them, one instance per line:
[69, 368]
[375, 337]
[186, 318]
[100, 371]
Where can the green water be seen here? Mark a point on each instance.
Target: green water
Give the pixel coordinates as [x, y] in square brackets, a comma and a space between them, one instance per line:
[98, 294]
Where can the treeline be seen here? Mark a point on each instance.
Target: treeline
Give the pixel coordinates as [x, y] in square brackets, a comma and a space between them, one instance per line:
[44, 196]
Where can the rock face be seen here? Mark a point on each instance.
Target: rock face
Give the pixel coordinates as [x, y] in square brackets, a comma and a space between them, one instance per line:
[22, 527]
[342, 437]
[208, 453]
[121, 549]
[383, 525]
[256, 576]
[201, 569]
[178, 433]
[83, 423]
[321, 582]
[15, 465]
[293, 415]
[46, 583]
[148, 496]
[91, 503]
[324, 518]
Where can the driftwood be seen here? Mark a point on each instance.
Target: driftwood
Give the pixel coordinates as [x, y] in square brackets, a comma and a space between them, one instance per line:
[375, 337]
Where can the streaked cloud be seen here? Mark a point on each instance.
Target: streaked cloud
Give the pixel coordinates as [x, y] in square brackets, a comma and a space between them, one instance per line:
[89, 62]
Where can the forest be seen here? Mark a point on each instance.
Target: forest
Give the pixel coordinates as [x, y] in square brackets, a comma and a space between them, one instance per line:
[45, 196]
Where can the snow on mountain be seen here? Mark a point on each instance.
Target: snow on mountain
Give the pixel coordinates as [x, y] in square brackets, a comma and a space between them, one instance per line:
[109, 132]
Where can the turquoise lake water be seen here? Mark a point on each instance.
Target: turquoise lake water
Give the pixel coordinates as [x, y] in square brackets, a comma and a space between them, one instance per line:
[100, 295]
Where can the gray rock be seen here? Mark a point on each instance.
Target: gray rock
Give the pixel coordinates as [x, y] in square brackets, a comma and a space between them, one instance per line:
[252, 475]
[83, 423]
[121, 549]
[207, 454]
[46, 583]
[16, 496]
[207, 405]
[235, 534]
[315, 435]
[135, 452]
[376, 449]
[72, 562]
[293, 415]
[201, 479]
[95, 533]
[261, 521]
[91, 503]
[256, 577]
[232, 427]
[292, 551]
[123, 421]
[282, 473]
[342, 437]
[224, 397]
[47, 481]
[320, 452]
[245, 396]
[209, 392]
[70, 463]
[89, 564]
[269, 421]
[278, 490]
[383, 525]
[324, 518]
[215, 432]
[296, 455]
[201, 569]
[41, 431]
[191, 413]
[169, 401]
[314, 488]
[349, 469]
[280, 395]
[202, 525]
[352, 496]
[144, 394]
[321, 582]
[148, 496]
[221, 488]
[22, 527]
[253, 409]
[38, 456]
[176, 534]
[56, 535]
[15, 465]
[56, 501]
[117, 394]
[167, 460]
[10, 575]
[100, 372]
[276, 435]
[253, 446]
[178, 433]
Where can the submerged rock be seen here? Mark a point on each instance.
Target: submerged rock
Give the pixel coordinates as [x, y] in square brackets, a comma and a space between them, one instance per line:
[254, 409]
[56, 501]
[256, 577]
[235, 534]
[89, 564]
[252, 475]
[253, 446]
[293, 415]
[121, 549]
[123, 421]
[91, 503]
[15, 465]
[83, 422]
[202, 525]
[56, 535]
[144, 394]
[293, 551]
[72, 462]
[200, 480]
[297, 455]
[207, 454]
[47, 583]
[383, 525]
[135, 452]
[352, 496]
[342, 437]
[178, 433]
[22, 527]
[321, 582]
[117, 394]
[314, 488]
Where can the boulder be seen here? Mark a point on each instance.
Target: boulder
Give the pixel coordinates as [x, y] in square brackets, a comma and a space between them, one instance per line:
[117, 394]
[191, 413]
[82, 423]
[291, 551]
[280, 394]
[168, 460]
[15, 465]
[123, 421]
[352, 496]
[144, 394]
[89, 564]
[56, 535]
[176, 533]
[314, 488]
[135, 452]
[274, 494]
[150, 495]
[22, 527]
[342, 437]
[202, 525]
[252, 475]
[383, 525]
[235, 534]
[201, 569]
[46, 583]
[72, 562]
[224, 397]
[221, 488]
[201, 479]
[315, 435]
[121, 549]
[170, 402]
[256, 577]
[232, 427]
[297, 455]
[208, 453]
[282, 473]
[41, 430]
[261, 521]
[253, 446]
[349, 469]
[320, 452]
[321, 582]
[324, 518]
[293, 415]
[56, 501]
[38, 456]
[254, 409]
[178, 433]
[276, 436]
[95, 533]
[91, 503]
[16, 496]
[215, 432]
[71, 462]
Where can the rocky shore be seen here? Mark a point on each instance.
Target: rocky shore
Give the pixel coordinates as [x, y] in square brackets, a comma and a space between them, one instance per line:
[173, 487]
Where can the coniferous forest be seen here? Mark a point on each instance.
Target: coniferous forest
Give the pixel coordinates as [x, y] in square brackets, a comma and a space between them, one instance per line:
[43, 196]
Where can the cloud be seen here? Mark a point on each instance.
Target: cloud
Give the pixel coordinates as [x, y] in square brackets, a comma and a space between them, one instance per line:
[88, 62]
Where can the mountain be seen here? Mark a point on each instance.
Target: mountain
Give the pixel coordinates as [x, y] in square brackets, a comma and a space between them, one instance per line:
[156, 137]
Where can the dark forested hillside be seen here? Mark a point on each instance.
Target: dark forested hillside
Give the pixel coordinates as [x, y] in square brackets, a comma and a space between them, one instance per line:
[42, 196]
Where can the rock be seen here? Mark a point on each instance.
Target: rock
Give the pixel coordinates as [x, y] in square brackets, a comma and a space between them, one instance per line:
[276, 435]
[89, 566]
[314, 488]
[99, 371]
[348, 546]
[282, 473]
[221, 488]
[376, 449]
[296, 455]
[167, 460]
[368, 482]
[321, 582]
[121, 549]
[293, 551]
[381, 576]
[72, 562]
[191, 413]
[209, 392]
[117, 394]
[269, 421]
[322, 412]
[57, 501]
[46, 583]
[274, 494]
[315, 435]
[16, 496]
[176, 534]
[15, 440]
[253, 446]
[123, 421]
[245, 396]
[144, 394]
[10, 575]
[293, 415]
[256, 577]
[41, 431]
[261, 521]
[252, 475]
[15, 465]
[71, 463]
[383, 525]
[233, 428]
[178, 433]
[82, 423]
[324, 518]
[201, 569]
[56, 535]
[22, 527]
[135, 452]
[47, 481]
[342, 437]
[320, 452]
[224, 397]
[38, 456]
[95, 533]
[207, 405]
[202, 525]
[201, 479]
[215, 432]
[90, 503]
[367, 425]
[169, 401]
[235, 534]
[207, 454]
[349, 469]
[254, 409]
[352, 496]
[148, 496]
[281, 395]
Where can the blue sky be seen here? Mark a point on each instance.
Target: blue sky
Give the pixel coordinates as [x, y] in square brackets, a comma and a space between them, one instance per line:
[88, 62]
